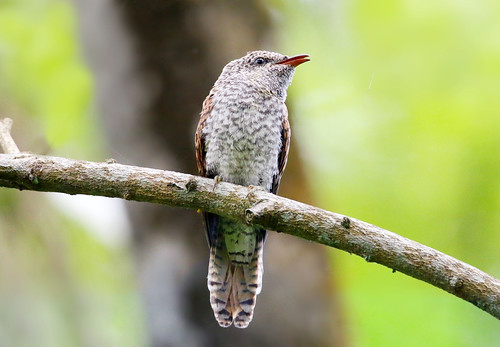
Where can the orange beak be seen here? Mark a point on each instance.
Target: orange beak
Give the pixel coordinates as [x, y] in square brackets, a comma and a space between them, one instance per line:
[295, 60]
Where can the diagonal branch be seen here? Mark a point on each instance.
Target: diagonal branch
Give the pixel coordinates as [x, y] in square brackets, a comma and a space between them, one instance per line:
[6, 142]
[254, 206]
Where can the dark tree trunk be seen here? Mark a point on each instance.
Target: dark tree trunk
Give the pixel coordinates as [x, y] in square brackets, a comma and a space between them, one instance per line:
[153, 64]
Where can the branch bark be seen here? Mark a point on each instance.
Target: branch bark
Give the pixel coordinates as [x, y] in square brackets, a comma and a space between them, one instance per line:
[254, 206]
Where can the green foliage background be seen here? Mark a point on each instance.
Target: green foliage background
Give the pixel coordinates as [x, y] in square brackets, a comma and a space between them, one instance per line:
[59, 285]
[397, 116]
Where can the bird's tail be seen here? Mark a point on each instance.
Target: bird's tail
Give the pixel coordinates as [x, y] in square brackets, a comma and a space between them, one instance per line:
[234, 286]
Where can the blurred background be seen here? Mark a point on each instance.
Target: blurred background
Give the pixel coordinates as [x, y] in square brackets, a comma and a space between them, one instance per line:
[395, 122]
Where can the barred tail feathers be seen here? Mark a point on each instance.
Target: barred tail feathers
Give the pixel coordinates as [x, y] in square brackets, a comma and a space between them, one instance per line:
[234, 286]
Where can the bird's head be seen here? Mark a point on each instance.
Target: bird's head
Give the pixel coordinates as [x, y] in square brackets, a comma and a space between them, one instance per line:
[263, 70]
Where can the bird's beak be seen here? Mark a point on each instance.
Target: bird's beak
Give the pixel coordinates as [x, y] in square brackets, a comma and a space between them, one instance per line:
[295, 60]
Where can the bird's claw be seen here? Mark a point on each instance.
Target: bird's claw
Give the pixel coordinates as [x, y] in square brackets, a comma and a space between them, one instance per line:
[256, 188]
[217, 180]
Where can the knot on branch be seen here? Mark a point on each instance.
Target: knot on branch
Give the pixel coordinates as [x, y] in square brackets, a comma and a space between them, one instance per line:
[176, 186]
[346, 222]
[260, 213]
[32, 176]
[250, 216]
[191, 185]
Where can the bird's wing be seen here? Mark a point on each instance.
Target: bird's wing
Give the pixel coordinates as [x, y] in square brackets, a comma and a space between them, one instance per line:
[285, 146]
[199, 138]
[211, 220]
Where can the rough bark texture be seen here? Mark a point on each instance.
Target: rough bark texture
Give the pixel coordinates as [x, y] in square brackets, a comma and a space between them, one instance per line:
[154, 62]
[255, 206]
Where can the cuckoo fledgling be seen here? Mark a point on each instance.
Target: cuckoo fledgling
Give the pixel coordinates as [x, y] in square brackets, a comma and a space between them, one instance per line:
[243, 137]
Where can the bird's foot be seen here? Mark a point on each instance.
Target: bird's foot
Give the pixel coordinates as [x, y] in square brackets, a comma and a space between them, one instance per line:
[252, 190]
[217, 180]
[256, 188]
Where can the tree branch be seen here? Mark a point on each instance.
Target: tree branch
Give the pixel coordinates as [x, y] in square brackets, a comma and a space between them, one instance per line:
[6, 141]
[254, 206]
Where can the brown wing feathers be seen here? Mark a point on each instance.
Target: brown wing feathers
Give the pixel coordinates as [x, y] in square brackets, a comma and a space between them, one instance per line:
[283, 156]
[199, 139]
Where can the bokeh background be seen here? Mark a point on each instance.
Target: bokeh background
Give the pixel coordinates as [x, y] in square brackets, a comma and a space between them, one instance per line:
[395, 122]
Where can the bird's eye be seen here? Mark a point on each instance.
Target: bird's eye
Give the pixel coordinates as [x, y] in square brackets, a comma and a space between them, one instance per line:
[260, 61]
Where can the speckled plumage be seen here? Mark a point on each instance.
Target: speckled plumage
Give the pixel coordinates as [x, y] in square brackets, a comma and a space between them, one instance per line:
[243, 137]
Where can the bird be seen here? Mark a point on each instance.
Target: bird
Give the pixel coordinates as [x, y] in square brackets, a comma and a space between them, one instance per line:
[243, 137]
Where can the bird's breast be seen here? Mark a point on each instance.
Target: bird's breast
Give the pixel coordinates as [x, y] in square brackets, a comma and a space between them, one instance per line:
[243, 140]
